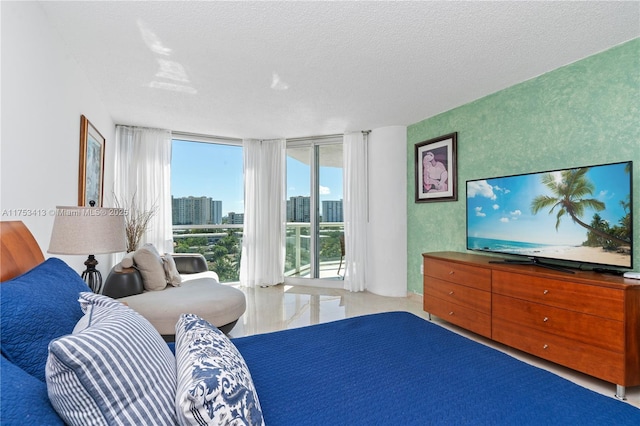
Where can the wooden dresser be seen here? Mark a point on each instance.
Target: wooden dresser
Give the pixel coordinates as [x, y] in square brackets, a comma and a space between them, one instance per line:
[585, 321]
[459, 293]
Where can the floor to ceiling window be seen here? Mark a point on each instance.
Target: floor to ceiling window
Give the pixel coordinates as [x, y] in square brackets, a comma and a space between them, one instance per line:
[315, 245]
[207, 191]
[207, 195]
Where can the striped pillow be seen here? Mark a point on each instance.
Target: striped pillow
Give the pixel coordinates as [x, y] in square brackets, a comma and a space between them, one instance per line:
[114, 369]
[214, 383]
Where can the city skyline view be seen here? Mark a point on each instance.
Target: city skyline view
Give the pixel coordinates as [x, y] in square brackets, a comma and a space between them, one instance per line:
[200, 169]
[205, 210]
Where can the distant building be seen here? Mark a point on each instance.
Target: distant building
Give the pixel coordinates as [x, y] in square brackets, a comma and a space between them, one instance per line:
[196, 211]
[332, 211]
[235, 218]
[299, 209]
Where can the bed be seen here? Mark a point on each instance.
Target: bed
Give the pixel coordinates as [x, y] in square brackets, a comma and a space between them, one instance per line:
[390, 368]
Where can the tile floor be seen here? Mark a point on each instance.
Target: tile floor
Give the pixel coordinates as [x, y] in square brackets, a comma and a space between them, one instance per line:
[282, 307]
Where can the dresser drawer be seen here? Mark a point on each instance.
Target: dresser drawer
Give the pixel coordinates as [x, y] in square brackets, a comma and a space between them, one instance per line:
[460, 273]
[459, 294]
[589, 329]
[472, 320]
[595, 361]
[595, 300]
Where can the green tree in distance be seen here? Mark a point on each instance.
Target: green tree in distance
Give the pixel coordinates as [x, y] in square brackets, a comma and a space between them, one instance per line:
[226, 257]
[330, 246]
[569, 198]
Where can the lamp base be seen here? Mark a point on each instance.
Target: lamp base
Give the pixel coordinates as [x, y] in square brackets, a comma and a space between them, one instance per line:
[91, 275]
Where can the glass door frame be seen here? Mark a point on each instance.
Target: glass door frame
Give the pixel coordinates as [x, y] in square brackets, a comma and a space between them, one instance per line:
[314, 203]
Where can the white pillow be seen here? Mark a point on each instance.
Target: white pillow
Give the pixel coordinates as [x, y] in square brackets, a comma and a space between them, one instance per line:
[127, 260]
[214, 382]
[149, 263]
[114, 369]
[171, 270]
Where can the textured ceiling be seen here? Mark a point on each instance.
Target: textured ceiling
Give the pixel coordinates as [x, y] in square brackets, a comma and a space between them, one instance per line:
[293, 69]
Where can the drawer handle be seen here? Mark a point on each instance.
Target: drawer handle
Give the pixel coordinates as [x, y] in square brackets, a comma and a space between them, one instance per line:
[452, 272]
[545, 347]
[451, 293]
[545, 292]
[451, 313]
[545, 319]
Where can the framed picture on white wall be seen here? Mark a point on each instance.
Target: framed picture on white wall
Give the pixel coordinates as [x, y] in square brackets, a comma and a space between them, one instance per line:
[91, 176]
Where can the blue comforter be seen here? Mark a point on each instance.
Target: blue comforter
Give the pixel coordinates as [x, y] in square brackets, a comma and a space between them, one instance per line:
[398, 369]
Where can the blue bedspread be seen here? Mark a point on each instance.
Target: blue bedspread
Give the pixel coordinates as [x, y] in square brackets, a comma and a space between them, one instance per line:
[398, 369]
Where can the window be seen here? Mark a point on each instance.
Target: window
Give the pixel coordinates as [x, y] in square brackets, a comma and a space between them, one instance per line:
[207, 196]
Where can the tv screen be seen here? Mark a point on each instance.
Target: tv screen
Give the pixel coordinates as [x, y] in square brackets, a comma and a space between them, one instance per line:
[581, 215]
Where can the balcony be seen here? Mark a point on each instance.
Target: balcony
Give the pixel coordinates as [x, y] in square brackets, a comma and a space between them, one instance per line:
[221, 246]
[298, 253]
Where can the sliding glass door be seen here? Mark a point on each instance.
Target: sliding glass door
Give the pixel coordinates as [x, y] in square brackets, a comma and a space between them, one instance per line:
[314, 211]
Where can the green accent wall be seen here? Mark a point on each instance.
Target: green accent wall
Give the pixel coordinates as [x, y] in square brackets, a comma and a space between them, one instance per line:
[584, 113]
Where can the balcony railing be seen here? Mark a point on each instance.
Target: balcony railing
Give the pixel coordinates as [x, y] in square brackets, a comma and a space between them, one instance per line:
[298, 253]
[221, 245]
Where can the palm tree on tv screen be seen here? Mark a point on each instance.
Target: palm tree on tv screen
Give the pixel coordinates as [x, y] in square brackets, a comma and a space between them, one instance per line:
[568, 197]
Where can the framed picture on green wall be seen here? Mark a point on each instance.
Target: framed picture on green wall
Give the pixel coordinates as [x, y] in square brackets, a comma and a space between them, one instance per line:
[435, 167]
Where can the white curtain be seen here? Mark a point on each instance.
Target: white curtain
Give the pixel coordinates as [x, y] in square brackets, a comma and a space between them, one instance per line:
[263, 241]
[355, 210]
[143, 173]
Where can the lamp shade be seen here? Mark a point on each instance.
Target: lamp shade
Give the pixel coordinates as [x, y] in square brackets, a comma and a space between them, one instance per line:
[88, 230]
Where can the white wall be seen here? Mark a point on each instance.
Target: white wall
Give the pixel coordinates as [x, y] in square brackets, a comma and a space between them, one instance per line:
[387, 267]
[44, 92]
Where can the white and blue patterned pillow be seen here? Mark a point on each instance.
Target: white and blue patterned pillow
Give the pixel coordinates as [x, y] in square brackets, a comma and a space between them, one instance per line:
[114, 369]
[214, 382]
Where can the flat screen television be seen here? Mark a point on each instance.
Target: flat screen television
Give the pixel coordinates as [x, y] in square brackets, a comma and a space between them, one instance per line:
[578, 217]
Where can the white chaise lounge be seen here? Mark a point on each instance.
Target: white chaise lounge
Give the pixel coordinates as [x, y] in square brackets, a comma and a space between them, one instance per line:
[196, 291]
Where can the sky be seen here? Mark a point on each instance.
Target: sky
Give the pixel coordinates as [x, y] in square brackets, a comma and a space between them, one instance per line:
[500, 208]
[215, 170]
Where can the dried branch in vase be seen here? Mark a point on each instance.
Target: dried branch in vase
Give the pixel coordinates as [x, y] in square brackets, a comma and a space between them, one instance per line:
[136, 220]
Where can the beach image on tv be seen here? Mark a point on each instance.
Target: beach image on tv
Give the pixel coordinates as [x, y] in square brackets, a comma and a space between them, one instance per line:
[581, 215]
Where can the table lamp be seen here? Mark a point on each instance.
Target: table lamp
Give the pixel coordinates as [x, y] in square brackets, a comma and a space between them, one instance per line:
[84, 230]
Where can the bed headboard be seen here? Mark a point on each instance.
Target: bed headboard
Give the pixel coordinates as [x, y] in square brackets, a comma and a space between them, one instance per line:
[19, 251]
